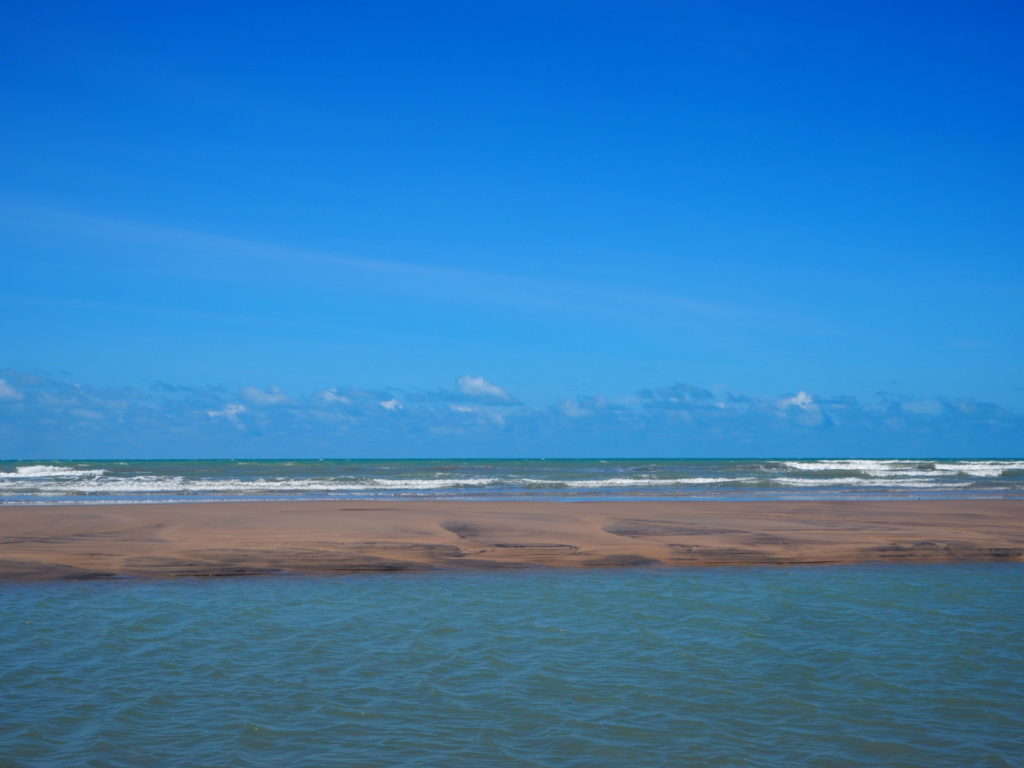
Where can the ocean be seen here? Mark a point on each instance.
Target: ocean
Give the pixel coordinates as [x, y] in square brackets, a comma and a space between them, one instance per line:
[886, 665]
[737, 479]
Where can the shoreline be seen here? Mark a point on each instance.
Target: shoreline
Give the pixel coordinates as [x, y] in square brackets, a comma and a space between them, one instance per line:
[242, 538]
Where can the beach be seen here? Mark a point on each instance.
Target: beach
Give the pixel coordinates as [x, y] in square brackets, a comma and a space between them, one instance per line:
[324, 537]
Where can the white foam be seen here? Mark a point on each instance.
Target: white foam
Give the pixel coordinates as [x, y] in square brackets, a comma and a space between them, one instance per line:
[43, 483]
[981, 468]
[71, 481]
[818, 482]
[452, 482]
[628, 482]
[50, 470]
[853, 465]
[178, 484]
[895, 468]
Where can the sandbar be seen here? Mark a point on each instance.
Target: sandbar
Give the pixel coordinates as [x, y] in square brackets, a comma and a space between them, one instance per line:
[335, 537]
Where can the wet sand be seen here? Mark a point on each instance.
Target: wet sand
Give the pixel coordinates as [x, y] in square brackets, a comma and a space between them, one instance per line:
[248, 538]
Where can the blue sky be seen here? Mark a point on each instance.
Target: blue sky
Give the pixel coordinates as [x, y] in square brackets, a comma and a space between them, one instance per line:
[575, 203]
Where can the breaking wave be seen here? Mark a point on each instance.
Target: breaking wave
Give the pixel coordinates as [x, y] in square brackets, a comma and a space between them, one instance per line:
[22, 482]
[51, 470]
[158, 484]
[905, 468]
[638, 482]
[839, 482]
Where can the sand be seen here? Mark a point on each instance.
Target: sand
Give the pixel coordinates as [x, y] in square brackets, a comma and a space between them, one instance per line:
[248, 538]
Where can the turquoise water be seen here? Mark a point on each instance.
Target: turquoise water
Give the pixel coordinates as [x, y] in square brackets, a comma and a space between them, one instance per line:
[563, 479]
[840, 666]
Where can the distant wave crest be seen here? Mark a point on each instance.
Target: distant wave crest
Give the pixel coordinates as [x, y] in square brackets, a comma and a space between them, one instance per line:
[22, 482]
[52, 470]
[885, 468]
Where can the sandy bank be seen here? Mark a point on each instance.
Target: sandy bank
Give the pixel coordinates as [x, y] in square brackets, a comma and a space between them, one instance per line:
[225, 539]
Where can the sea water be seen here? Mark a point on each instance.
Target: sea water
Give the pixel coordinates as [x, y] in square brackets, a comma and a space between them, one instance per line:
[918, 665]
[134, 481]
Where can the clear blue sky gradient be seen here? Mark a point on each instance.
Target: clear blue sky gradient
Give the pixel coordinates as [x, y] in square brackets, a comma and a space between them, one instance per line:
[577, 201]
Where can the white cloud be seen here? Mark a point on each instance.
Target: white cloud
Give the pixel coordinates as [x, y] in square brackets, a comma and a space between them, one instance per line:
[573, 410]
[40, 413]
[230, 412]
[257, 396]
[7, 392]
[482, 414]
[478, 386]
[332, 396]
[803, 410]
[800, 400]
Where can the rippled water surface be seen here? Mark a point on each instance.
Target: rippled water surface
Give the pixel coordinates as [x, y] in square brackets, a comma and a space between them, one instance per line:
[841, 666]
[565, 479]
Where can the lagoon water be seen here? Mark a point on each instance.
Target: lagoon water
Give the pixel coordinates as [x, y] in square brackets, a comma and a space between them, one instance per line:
[841, 666]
